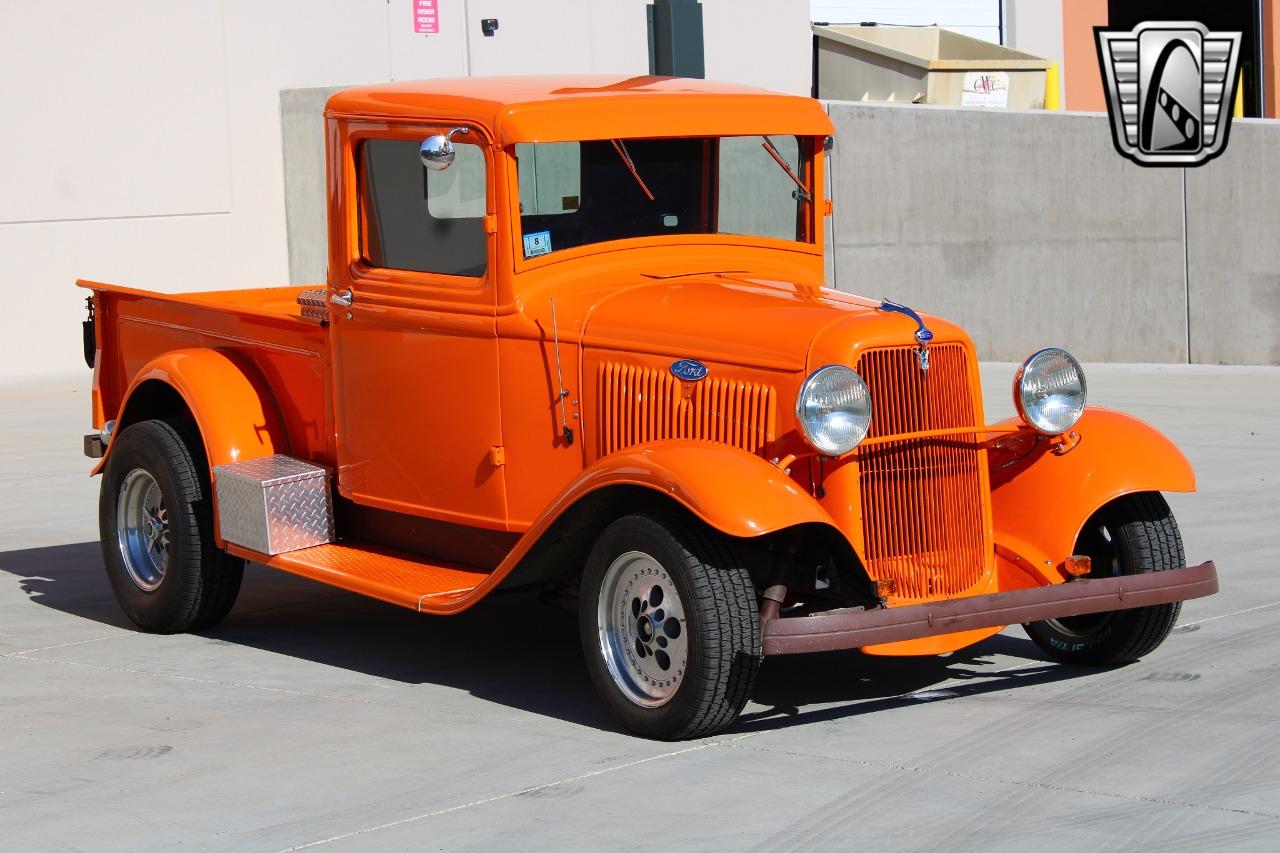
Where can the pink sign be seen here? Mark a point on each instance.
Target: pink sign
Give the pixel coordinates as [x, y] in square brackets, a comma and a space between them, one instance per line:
[425, 17]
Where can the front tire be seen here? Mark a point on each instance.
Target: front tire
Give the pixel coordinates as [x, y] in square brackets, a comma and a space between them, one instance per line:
[670, 627]
[1131, 535]
[156, 524]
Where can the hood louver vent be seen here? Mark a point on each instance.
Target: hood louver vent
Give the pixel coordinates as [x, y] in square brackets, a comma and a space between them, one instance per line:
[641, 404]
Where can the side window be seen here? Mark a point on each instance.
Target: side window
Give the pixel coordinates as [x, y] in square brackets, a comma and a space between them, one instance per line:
[756, 197]
[419, 220]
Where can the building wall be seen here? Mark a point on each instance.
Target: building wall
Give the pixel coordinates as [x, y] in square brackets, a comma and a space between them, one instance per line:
[143, 147]
[1082, 80]
[144, 138]
[1035, 27]
[977, 18]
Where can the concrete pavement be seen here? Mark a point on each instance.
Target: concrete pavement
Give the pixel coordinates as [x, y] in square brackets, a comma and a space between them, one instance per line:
[314, 717]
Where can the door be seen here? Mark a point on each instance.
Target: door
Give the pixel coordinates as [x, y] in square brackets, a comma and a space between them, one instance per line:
[415, 353]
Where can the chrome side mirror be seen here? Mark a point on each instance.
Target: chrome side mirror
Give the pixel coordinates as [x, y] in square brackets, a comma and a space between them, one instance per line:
[437, 151]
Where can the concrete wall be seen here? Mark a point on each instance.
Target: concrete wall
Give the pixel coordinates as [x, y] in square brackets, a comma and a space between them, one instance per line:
[302, 128]
[1233, 249]
[1030, 230]
[1023, 227]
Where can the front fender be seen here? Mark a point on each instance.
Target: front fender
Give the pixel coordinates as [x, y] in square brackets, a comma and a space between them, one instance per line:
[1041, 501]
[230, 403]
[733, 491]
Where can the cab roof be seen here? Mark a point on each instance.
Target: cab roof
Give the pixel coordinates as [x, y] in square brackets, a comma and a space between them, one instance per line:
[568, 107]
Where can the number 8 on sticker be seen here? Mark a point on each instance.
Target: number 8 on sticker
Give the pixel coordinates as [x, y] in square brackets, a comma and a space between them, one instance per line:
[537, 243]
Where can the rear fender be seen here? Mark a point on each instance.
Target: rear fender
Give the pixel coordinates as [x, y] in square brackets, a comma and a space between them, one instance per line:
[231, 405]
[1041, 501]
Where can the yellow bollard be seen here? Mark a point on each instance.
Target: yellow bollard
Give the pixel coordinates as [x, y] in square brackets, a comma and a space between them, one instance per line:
[1052, 88]
[1237, 109]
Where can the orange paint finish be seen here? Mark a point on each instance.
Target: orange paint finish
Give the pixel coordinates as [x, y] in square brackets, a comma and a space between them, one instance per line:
[232, 408]
[566, 107]
[414, 413]
[436, 399]
[1117, 455]
[927, 519]
[403, 406]
[377, 572]
[939, 644]
[199, 343]
[736, 493]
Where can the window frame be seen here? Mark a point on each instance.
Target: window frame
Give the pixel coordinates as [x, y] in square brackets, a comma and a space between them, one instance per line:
[362, 273]
[810, 151]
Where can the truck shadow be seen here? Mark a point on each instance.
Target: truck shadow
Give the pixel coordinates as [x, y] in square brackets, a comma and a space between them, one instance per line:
[517, 652]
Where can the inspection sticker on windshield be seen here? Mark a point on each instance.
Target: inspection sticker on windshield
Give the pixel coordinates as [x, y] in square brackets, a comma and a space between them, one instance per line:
[537, 243]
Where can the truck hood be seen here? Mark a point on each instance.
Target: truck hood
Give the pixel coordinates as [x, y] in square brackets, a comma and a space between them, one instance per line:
[737, 319]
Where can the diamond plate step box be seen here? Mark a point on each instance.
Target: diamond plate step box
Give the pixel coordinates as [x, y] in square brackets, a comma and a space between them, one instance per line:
[274, 504]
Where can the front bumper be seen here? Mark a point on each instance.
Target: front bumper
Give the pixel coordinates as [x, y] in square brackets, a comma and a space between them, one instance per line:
[852, 629]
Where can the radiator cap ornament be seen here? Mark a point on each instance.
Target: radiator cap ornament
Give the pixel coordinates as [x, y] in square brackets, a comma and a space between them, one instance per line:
[923, 336]
[688, 370]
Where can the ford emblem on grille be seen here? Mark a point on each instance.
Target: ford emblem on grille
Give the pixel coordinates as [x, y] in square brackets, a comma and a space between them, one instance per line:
[689, 370]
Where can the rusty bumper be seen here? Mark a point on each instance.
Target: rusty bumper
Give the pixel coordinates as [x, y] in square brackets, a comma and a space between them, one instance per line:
[852, 629]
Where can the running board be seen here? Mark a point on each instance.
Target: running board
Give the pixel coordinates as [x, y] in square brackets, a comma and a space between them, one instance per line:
[382, 573]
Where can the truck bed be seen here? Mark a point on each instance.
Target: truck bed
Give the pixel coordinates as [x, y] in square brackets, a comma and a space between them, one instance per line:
[263, 328]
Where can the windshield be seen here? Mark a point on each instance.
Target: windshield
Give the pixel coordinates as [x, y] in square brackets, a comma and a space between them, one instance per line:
[578, 193]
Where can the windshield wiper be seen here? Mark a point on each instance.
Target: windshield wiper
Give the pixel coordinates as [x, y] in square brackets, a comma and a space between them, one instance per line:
[621, 148]
[773, 152]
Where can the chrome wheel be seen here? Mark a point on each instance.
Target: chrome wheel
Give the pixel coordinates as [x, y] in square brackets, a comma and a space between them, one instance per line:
[643, 635]
[142, 529]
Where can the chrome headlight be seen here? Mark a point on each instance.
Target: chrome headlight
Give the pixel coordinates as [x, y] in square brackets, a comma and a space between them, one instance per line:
[1049, 391]
[834, 409]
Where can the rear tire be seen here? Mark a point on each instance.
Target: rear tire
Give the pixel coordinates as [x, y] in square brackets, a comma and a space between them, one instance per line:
[155, 519]
[1131, 535]
[670, 627]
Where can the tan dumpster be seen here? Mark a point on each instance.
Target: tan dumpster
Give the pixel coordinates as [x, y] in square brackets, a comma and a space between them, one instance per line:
[924, 65]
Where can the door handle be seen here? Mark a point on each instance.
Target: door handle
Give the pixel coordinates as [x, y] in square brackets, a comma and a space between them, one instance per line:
[342, 297]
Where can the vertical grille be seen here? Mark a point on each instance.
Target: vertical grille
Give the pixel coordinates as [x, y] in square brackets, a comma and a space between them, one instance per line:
[640, 404]
[923, 506]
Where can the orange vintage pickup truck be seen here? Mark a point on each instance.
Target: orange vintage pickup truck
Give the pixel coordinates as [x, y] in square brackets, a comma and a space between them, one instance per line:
[575, 337]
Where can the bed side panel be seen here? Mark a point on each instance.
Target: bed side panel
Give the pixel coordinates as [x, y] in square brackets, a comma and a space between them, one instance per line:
[290, 352]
